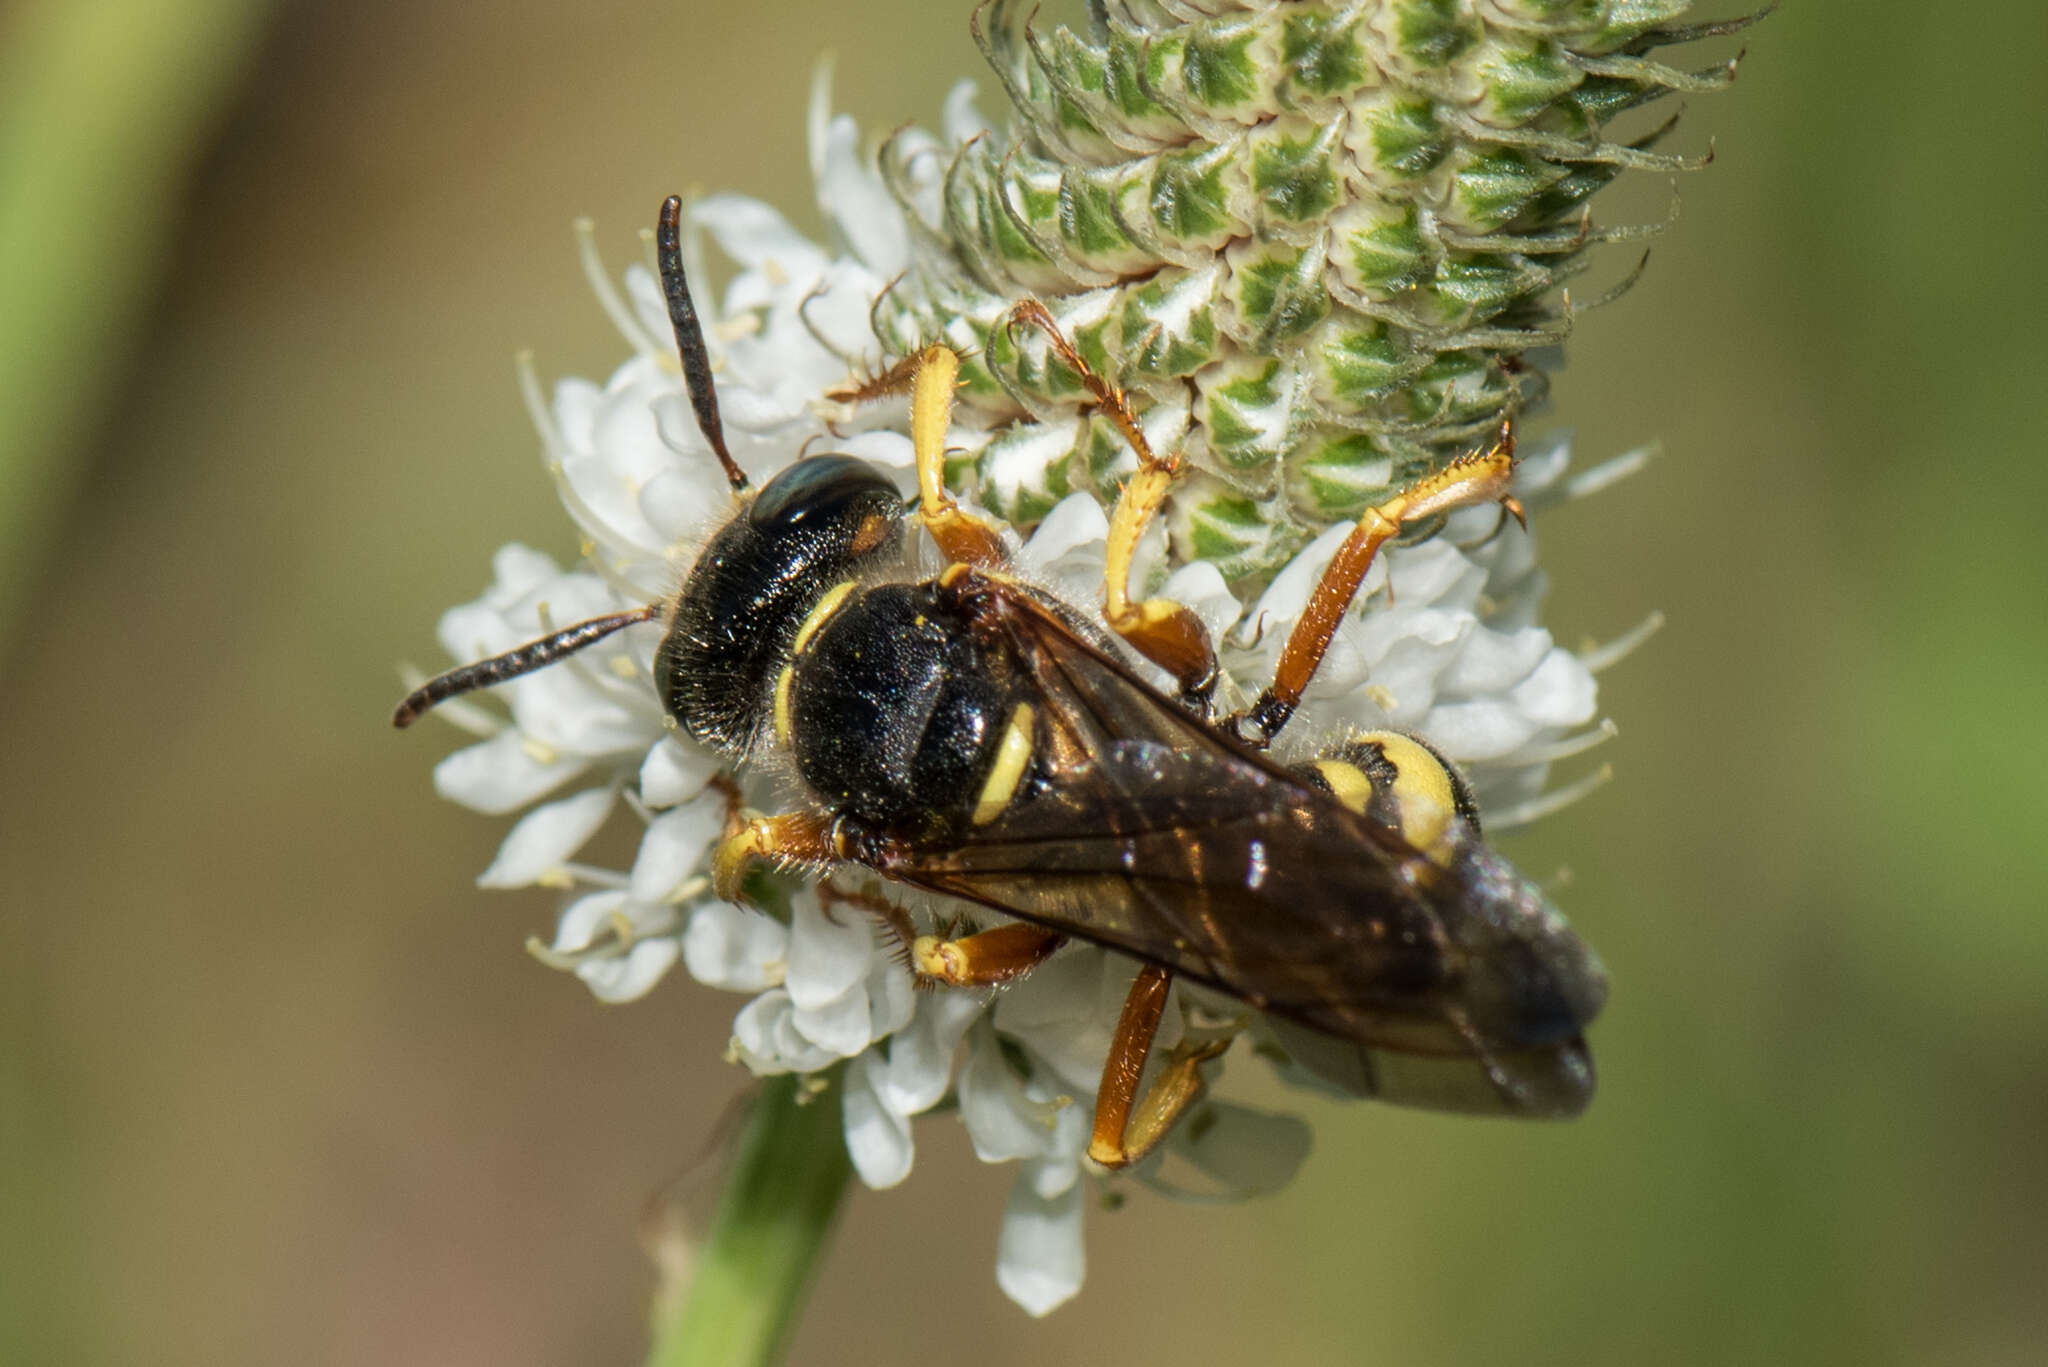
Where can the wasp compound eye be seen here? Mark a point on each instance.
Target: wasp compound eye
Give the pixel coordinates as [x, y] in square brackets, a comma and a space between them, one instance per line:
[818, 491]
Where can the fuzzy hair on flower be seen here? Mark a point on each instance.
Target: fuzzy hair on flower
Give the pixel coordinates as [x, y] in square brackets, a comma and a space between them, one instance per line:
[1310, 238]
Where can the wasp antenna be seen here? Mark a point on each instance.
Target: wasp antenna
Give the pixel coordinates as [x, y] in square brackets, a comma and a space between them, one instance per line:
[513, 663]
[682, 316]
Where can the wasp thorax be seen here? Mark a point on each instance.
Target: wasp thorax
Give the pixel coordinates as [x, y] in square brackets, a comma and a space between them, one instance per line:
[814, 524]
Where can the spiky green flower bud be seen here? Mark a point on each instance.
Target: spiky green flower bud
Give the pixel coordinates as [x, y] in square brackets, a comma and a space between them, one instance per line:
[1317, 241]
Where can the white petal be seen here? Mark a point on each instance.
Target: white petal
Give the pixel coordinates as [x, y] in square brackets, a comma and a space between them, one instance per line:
[920, 1064]
[632, 975]
[675, 845]
[503, 773]
[1040, 1260]
[1561, 692]
[516, 571]
[1051, 1177]
[1200, 588]
[878, 1140]
[679, 505]
[583, 919]
[1075, 522]
[623, 977]
[1246, 1152]
[840, 1026]
[1001, 1120]
[891, 450]
[560, 708]
[854, 198]
[892, 995]
[1485, 728]
[1495, 661]
[1435, 573]
[826, 957]
[758, 412]
[545, 838]
[766, 1041]
[675, 770]
[1539, 463]
[736, 948]
[575, 411]
[755, 235]
[1065, 1011]
[960, 119]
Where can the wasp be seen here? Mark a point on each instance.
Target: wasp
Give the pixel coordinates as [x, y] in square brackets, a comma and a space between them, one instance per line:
[973, 736]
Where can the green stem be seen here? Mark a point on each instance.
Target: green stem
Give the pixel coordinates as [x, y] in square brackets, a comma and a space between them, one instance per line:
[777, 1210]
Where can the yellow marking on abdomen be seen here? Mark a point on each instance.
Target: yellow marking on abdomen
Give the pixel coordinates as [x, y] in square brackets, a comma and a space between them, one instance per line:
[815, 618]
[1013, 757]
[1422, 793]
[1348, 783]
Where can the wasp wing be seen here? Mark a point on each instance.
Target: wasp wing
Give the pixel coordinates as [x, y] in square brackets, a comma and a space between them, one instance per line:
[1146, 830]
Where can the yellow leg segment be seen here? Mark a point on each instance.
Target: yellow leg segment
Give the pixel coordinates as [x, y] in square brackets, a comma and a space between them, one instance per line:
[796, 838]
[990, 956]
[1163, 631]
[964, 538]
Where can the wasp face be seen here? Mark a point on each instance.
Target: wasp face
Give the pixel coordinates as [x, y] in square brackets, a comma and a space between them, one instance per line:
[819, 522]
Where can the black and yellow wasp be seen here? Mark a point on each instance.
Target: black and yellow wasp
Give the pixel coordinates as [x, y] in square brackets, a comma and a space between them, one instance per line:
[973, 736]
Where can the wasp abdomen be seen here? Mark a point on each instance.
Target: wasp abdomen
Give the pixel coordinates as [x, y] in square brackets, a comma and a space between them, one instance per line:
[899, 715]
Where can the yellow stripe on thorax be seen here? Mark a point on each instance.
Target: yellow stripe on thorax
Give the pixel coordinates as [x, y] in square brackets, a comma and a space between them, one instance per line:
[1013, 757]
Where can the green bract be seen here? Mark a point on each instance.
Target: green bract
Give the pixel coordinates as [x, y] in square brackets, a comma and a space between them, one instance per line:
[1313, 240]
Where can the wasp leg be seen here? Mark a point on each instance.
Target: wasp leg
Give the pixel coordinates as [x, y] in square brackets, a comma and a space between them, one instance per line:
[964, 538]
[1161, 630]
[1478, 478]
[1128, 1127]
[990, 956]
[895, 380]
[796, 838]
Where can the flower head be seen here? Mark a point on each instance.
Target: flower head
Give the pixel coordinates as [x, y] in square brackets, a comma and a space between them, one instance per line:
[1443, 640]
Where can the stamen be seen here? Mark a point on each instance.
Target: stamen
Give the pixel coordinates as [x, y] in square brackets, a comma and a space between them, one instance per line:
[614, 940]
[1599, 658]
[589, 875]
[1556, 800]
[591, 524]
[1567, 746]
[537, 410]
[608, 297]
[690, 890]
[1608, 472]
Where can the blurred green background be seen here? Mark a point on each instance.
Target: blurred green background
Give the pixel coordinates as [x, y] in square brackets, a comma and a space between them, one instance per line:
[276, 1084]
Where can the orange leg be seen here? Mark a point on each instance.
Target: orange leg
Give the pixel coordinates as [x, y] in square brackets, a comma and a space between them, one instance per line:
[1128, 1127]
[1478, 478]
[1161, 630]
[990, 956]
[964, 538]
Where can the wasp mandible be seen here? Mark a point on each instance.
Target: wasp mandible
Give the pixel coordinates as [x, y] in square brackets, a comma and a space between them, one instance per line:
[973, 736]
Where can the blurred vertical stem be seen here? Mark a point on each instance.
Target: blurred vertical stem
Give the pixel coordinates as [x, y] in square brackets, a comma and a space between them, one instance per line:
[104, 107]
[779, 1204]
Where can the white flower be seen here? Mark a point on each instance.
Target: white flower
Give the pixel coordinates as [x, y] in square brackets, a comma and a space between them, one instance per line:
[1455, 656]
